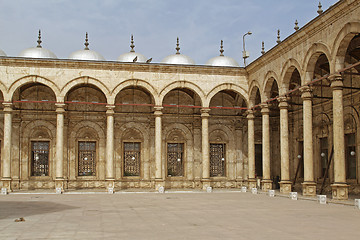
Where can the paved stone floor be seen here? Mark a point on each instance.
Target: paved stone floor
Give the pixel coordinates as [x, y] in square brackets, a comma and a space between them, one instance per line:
[217, 215]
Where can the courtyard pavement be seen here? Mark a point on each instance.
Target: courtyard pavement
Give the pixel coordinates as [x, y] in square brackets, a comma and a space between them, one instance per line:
[176, 215]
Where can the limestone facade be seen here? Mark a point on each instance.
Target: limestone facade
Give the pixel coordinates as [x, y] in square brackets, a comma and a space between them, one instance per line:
[103, 124]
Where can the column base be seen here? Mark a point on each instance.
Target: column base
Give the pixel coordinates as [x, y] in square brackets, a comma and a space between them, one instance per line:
[285, 187]
[6, 183]
[308, 188]
[159, 183]
[59, 185]
[205, 183]
[340, 191]
[252, 183]
[110, 184]
[266, 185]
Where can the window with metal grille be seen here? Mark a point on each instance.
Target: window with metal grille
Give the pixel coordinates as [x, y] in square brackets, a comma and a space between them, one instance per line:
[323, 154]
[87, 158]
[350, 155]
[132, 159]
[175, 165]
[217, 159]
[40, 158]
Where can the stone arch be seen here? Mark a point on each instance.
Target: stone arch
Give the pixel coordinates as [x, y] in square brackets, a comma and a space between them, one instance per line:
[29, 128]
[226, 86]
[322, 124]
[31, 79]
[287, 70]
[81, 126]
[180, 84]
[186, 132]
[254, 86]
[341, 43]
[134, 82]
[310, 59]
[270, 77]
[87, 81]
[350, 111]
[3, 90]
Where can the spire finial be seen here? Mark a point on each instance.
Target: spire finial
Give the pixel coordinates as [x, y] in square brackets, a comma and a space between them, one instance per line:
[296, 25]
[262, 48]
[177, 46]
[39, 40]
[86, 42]
[132, 44]
[278, 36]
[221, 48]
[320, 11]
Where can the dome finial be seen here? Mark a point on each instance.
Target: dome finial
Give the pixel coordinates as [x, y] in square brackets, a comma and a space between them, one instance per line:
[86, 42]
[177, 46]
[221, 49]
[39, 40]
[132, 44]
[296, 25]
[278, 36]
[320, 11]
[262, 48]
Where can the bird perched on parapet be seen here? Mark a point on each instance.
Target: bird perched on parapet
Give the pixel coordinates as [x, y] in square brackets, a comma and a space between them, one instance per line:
[20, 220]
[149, 60]
[135, 59]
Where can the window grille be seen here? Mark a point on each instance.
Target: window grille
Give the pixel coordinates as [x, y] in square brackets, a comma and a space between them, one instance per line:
[132, 159]
[40, 158]
[87, 158]
[217, 160]
[175, 153]
[350, 155]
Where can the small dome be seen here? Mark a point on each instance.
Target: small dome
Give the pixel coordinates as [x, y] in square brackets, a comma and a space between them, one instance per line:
[38, 51]
[2, 53]
[222, 60]
[132, 56]
[178, 58]
[86, 54]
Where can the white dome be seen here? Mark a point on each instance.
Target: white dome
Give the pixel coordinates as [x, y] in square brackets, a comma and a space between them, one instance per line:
[130, 56]
[2, 53]
[178, 58]
[222, 60]
[86, 54]
[37, 52]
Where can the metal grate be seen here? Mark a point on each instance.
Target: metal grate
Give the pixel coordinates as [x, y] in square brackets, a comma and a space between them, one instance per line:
[217, 160]
[87, 158]
[40, 158]
[175, 153]
[132, 159]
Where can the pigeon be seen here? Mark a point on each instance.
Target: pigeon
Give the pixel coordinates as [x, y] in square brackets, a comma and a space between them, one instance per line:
[149, 60]
[135, 59]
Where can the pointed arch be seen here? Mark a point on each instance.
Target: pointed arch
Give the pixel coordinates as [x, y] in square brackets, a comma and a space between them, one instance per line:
[31, 79]
[254, 87]
[85, 80]
[180, 84]
[226, 86]
[133, 82]
[270, 77]
[287, 71]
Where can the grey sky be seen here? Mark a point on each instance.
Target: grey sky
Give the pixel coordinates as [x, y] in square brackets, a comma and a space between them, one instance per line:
[200, 25]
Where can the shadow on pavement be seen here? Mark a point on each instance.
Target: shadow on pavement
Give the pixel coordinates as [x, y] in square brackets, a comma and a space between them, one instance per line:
[16, 209]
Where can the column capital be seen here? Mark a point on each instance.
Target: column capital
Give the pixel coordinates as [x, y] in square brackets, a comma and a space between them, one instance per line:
[158, 110]
[265, 109]
[283, 102]
[110, 109]
[60, 107]
[205, 112]
[250, 114]
[306, 92]
[337, 81]
[7, 106]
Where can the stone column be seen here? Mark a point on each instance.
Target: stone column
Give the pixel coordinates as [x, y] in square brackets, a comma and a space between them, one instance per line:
[309, 185]
[109, 165]
[205, 147]
[158, 153]
[339, 188]
[266, 181]
[59, 157]
[251, 149]
[6, 167]
[285, 183]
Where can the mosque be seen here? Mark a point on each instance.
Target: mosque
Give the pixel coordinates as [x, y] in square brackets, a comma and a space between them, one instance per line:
[286, 121]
